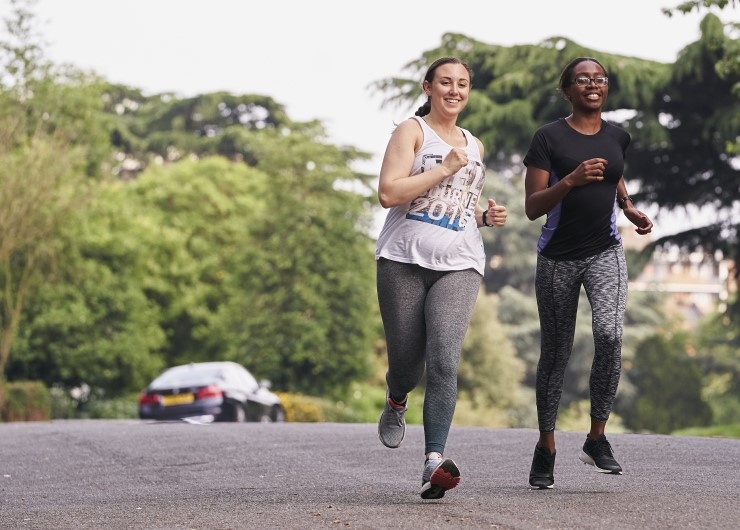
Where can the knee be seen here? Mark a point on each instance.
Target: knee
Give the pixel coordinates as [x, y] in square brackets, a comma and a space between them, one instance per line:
[609, 335]
[441, 373]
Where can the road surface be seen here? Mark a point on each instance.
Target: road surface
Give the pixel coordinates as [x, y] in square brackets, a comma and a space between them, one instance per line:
[131, 474]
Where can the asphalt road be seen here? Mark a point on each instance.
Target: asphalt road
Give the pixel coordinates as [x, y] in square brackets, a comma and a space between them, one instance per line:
[130, 474]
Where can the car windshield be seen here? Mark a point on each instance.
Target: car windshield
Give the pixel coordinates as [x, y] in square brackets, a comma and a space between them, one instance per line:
[188, 376]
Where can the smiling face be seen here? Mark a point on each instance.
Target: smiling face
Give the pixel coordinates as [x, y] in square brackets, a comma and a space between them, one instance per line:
[449, 89]
[589, 96]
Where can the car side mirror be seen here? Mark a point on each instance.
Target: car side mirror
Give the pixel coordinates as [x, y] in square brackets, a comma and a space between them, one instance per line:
[264, 383]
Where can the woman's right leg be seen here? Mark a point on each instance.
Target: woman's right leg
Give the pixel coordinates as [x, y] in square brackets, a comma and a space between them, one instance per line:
[557, 285]
[401, 297]
[450, 305]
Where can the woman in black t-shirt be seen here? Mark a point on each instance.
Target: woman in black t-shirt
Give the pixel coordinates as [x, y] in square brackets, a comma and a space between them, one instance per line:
[574, 176]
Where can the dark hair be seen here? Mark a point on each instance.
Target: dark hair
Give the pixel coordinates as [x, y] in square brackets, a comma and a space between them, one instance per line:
[566, 78]
[429, 77]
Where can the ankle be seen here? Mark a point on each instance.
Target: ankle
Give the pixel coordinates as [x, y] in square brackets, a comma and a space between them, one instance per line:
[550, 448]
[395, 404]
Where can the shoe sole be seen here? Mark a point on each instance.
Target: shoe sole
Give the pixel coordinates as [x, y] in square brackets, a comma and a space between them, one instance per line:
[444, 478]
[586, 459]
[388, 445]
[533, 487]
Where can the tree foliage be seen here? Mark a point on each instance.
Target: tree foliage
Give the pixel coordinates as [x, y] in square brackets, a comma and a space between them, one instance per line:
[188, 263]
[690, 5]
[50, 140]
[669, 387]
[312, 282]
[716, 348]
[490, 373]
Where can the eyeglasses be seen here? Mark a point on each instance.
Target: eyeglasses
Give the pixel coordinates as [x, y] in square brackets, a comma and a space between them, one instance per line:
[582, 80]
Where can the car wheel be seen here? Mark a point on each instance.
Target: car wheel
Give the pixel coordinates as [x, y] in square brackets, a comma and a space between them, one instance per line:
[233, 412]
[240, 415]
[278, 414]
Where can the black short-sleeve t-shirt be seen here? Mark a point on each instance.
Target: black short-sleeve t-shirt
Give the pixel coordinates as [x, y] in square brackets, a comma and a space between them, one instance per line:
[584, 222]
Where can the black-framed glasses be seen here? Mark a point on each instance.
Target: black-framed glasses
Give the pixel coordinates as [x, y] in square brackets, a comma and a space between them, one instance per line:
[583, 80]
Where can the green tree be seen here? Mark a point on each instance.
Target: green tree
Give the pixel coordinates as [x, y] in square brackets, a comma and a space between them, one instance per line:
[307, 323]
[691, 159]
[717, 343]
[94, 323]
[208, 206]
[511, 250]
[669, 387]
[165, 127]
[37, 187]
[51, 138]
[490, 373]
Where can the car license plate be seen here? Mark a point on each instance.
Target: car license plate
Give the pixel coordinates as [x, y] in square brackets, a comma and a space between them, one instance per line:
[177, 399]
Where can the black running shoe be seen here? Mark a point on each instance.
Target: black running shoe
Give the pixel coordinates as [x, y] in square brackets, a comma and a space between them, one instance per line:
[599, 454]
[541, 472]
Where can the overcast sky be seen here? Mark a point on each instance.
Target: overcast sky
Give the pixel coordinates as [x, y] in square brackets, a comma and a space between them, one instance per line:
[318, 57]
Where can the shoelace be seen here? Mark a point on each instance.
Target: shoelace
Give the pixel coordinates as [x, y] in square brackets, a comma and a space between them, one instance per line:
[602, 447]
[397, 413]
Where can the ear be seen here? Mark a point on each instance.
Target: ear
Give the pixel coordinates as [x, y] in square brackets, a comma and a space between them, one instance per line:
[427, 89]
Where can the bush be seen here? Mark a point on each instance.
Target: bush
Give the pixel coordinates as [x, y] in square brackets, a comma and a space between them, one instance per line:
[109, 409]
[26, 401]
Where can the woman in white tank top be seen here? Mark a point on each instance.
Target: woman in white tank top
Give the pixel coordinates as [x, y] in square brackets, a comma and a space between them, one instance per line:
[430, 261]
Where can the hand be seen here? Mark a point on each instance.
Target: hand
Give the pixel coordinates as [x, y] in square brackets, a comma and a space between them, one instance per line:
[588, 171]
[496, 215]
[640, 220]
[455, 160]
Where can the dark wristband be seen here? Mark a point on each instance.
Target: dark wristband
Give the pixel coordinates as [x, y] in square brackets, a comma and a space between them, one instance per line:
[621, 202]
[484, 218]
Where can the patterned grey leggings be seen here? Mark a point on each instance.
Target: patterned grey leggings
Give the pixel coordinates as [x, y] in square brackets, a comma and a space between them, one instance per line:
[426, 315]
[558, 284]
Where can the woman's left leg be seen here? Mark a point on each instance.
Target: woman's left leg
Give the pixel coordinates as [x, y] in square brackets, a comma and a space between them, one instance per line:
[448, 309]
[605, 282]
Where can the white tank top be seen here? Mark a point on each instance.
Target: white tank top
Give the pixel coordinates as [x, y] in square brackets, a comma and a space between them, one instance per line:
[437, 230]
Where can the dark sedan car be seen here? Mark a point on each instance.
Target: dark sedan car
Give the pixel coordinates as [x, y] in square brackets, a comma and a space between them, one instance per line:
[216, 391]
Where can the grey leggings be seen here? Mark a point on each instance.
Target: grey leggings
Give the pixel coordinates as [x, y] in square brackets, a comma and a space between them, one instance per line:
[426, 314]
[558, 284]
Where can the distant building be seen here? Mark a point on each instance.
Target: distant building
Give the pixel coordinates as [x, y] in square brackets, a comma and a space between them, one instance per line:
[697, 283]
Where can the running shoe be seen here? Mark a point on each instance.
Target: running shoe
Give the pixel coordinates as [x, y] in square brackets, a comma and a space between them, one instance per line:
[440, 474]
[543, 464]
[598, 453]
[392, 425]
